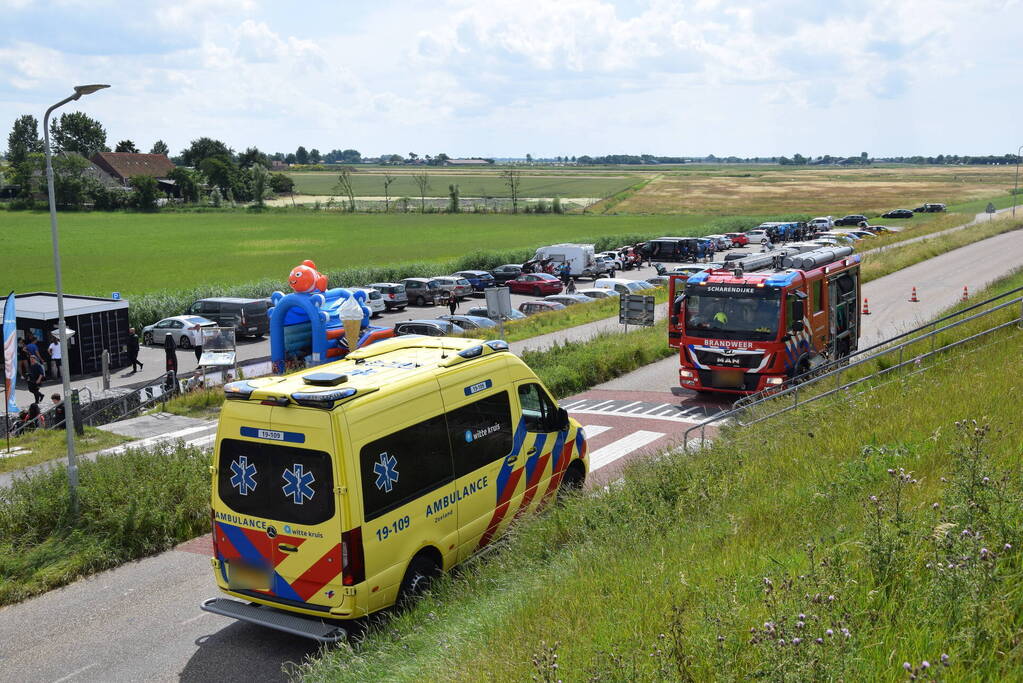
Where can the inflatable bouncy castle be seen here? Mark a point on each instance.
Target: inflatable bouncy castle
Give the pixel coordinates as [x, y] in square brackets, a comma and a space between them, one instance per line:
[314, 325]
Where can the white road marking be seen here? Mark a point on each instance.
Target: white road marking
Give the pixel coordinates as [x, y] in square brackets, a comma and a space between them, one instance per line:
[603, 457]
[202, 442]
[644, 416]
[75, 673]
[590, 431]
[161, 438]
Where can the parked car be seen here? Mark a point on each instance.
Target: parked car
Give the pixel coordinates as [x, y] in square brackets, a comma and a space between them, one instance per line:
[421, 291]
[657, 280]
[458, 287]
[430, 328]
[898, 213]
[621, 285]
[612, 256]
[481, 311]
[393, 294]
[532, 307]
[508, 271]
[861, 233]
[851, 219]
[374, 300]
[821, 223]
[537, 284]
[479, 279]
[739, 239]
[184, 329]
[602, 265]
[757, 236]
[721, 242]
[598, 293]
[469, 322]
[929, 208]
[687, 271]
[827, 242]
[568, 299]
[247, 316]
[878, 229]
[840, 237]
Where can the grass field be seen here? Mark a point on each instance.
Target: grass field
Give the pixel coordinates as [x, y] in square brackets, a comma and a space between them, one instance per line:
[136, 253]
[808, 549]
[815, 190]
[51, 444]
[370, 183]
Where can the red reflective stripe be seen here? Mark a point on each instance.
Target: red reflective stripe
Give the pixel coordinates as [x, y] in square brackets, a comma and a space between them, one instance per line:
[532, 483]
[502, 507]
[323, 571]
[566, 456]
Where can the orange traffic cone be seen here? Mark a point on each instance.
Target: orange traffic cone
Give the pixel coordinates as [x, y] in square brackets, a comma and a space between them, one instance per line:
[866, 308]
[966, 293]
[913, 299]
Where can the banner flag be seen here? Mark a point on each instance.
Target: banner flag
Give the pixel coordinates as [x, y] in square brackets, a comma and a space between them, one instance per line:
[10, 354]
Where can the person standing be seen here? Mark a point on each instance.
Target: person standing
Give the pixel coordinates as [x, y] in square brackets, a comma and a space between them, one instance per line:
[171, 353]
[22, 360]
[36, 375]
[452, 302]
[58, 412]
[133, 350]
[54, 350]
[33, 349]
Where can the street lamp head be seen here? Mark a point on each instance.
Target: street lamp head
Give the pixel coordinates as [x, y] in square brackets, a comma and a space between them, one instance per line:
[88, 89]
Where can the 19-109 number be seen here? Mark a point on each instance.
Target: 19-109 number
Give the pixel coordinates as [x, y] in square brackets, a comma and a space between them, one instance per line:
[394, 527]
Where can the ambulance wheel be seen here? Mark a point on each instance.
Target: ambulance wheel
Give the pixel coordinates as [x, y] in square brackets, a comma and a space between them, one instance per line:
[572, 481]
[420, 574]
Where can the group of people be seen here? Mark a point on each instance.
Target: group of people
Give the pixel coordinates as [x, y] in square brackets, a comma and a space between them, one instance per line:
[33, 362]
[34, 418]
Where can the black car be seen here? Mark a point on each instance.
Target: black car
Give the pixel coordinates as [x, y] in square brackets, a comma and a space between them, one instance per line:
[898, 213]
[247, 316]
[851, 219]
[930, 208]
[508, 271]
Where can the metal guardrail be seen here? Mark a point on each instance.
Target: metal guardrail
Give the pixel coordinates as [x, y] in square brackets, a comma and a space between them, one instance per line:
[100, 412]
[836, 369]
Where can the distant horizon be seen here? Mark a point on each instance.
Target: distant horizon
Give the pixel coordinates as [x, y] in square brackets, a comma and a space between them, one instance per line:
[512, 77]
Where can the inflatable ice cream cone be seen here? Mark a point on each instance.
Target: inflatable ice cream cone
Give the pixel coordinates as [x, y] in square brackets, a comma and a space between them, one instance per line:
[351, 318]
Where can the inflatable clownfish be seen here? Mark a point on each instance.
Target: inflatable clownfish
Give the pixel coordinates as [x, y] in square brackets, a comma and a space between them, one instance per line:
[305, 278]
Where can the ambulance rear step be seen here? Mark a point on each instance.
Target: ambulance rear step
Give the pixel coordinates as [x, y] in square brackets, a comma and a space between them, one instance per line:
[275, 619]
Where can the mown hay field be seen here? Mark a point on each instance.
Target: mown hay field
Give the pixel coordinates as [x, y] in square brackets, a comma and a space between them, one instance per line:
[815, 190]
[478, 183]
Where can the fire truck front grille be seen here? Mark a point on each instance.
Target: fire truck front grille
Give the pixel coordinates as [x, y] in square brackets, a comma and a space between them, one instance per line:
[737, 360]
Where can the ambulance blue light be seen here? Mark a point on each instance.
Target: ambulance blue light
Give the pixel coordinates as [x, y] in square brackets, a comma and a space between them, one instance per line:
[321, 399]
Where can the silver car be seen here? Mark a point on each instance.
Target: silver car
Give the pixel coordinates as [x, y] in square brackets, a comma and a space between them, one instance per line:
[598, 293]
[185, 330]
[451, 285]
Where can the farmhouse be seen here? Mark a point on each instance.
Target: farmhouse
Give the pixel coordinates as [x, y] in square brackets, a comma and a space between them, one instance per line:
[123, 166]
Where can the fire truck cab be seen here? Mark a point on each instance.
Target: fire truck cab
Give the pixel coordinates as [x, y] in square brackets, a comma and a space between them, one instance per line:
[764, 319]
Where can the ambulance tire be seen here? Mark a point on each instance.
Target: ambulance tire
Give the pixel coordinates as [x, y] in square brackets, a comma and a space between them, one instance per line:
[572, 481]
[420, 574]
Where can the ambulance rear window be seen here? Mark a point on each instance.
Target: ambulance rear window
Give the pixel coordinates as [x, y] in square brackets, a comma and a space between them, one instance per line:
[276, 482]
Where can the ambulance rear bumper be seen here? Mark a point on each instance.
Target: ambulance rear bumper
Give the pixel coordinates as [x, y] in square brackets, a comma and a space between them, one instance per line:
[269, 617]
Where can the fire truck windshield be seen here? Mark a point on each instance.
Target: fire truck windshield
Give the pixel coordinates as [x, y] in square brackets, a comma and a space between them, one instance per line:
[733, 314]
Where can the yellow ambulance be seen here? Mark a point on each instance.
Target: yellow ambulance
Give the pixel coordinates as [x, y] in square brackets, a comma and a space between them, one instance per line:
[343, 489]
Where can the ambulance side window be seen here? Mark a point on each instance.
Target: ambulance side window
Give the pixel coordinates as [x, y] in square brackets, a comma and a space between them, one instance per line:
[538, 411]
[481, 432]
[404, 465]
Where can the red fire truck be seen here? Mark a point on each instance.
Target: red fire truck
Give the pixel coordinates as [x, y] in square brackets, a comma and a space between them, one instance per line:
[764, 319]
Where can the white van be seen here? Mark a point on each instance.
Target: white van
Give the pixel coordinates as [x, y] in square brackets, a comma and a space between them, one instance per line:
[621, 285]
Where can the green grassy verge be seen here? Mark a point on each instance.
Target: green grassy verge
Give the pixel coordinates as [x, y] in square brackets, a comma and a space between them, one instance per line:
[811, 549]
[891, 260]
[196, 403]
[50, 444]
[132, 505]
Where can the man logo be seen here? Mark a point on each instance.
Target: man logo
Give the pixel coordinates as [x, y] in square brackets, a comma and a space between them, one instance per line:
[468, 436]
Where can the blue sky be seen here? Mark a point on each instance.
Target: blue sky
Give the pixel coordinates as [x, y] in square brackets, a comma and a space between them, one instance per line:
[510, 77]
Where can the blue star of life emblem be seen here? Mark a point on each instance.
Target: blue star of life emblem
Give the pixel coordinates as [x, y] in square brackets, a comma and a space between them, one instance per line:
[386, 474]
[298, 484]
[243, 475]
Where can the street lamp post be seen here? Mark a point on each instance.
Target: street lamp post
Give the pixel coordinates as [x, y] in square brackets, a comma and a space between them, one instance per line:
[65, 365]
[1015, 187]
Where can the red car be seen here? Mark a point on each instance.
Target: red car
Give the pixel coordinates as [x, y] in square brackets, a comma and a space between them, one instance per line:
[537, 284]
[739, 239]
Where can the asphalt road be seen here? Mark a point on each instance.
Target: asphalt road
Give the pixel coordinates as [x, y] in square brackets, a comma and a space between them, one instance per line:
[142, 622]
